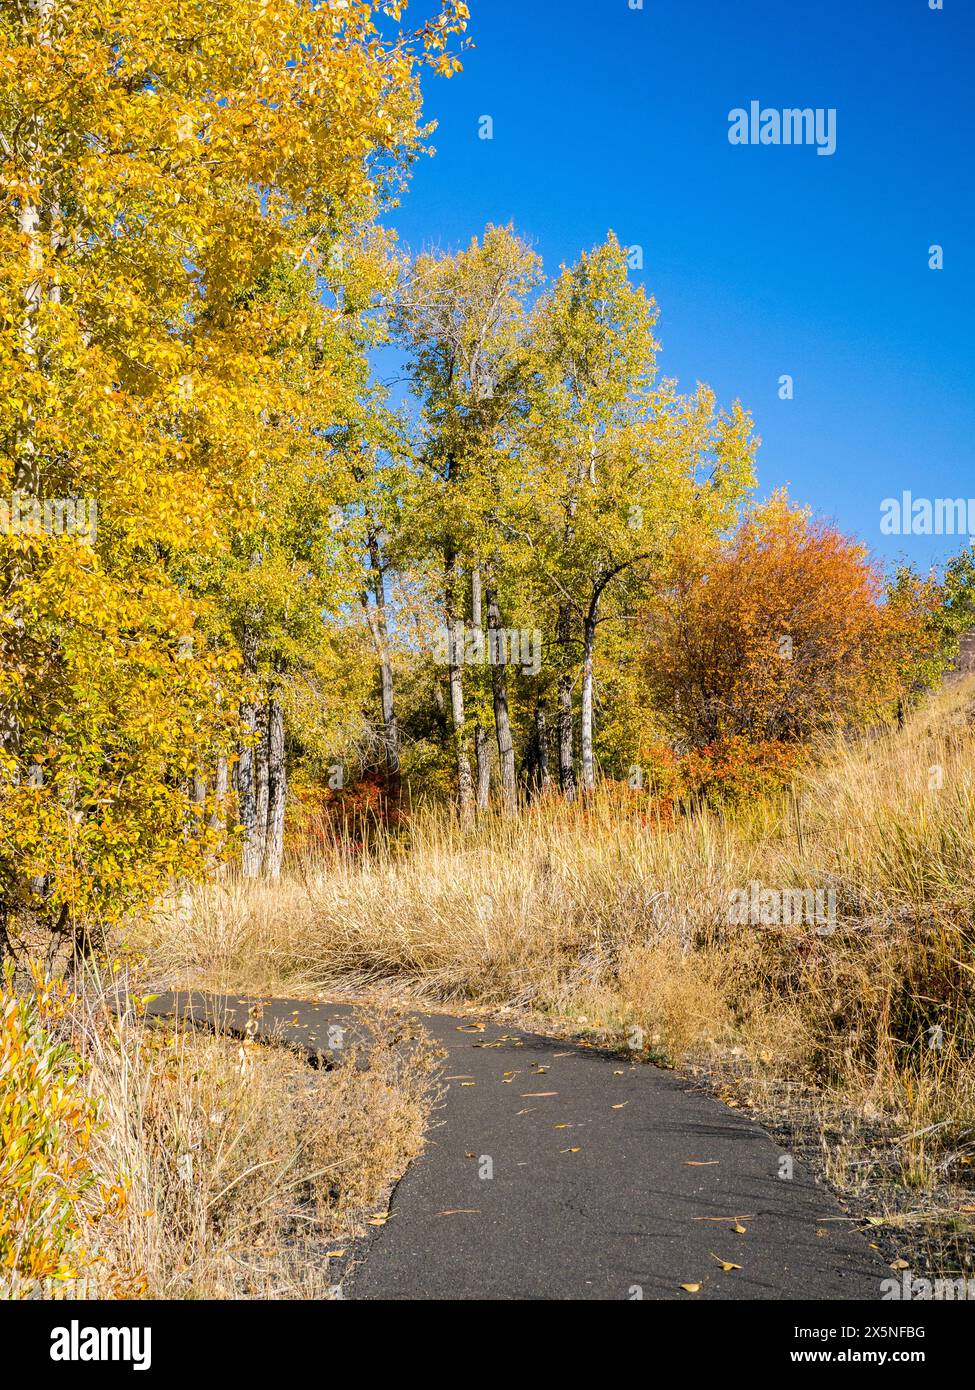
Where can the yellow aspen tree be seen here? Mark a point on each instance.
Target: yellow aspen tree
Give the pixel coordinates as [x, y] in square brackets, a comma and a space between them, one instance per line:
[157, 162]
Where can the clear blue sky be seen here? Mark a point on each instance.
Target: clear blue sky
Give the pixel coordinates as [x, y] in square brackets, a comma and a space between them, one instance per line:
[764, 260]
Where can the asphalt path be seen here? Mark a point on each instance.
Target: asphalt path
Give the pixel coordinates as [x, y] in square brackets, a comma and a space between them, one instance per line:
[553, 1170]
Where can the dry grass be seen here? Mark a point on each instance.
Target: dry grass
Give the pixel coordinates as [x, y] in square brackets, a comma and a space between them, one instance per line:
[601, 916]
[245, 1168]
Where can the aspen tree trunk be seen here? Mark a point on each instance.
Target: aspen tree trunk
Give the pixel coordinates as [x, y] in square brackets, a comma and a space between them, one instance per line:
[261, 784]
[244, 781]
[588, 642]
[218, 816]
[589, 624]
[277, 789]
[566, 730]
[543, 779]
[252, 770]
[482, 758]
[377, 617]
[502, 719]
[567, 777]
[482, 752]
[465, 782]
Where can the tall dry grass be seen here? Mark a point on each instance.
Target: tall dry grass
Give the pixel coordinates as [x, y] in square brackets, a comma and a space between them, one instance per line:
[235, 1170]
[602, 915]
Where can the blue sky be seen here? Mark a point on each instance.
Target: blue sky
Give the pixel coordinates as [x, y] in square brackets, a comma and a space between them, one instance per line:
[764, 260]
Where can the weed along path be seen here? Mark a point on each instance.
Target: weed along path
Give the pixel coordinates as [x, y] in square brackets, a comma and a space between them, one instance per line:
[554, 1171]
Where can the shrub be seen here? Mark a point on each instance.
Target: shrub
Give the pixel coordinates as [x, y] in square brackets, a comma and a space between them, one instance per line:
[781, 633]
[732, 770]
[51, 1193]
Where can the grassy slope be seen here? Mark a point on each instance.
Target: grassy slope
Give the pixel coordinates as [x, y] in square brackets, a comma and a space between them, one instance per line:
[598, 917]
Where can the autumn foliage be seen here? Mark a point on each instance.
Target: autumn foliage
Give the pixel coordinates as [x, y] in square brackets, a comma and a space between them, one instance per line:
[193, 277]
[776, 635]
[52, 1194]
[185, 242]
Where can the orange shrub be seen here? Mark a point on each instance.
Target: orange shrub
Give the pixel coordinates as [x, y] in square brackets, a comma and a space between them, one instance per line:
[777, 634]
[733, 770]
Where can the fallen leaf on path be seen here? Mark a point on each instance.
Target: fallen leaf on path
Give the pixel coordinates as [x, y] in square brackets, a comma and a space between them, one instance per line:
[379, 1220]
[570, 1151]
[739, 1230]
[899, 1264]
[620, 1106]
[725, 1264]
[701, 1162]
[691, 1288]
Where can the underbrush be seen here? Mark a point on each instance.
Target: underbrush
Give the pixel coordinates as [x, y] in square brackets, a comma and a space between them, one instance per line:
[171, 1164]
[607, 917]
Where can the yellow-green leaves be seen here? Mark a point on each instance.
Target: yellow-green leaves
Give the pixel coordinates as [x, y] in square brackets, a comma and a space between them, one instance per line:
[177, 345]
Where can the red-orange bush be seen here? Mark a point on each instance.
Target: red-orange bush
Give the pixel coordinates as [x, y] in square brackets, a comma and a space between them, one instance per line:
[775, 635]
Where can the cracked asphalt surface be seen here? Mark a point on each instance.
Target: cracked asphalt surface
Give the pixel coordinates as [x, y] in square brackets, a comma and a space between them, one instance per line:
[557, 1171]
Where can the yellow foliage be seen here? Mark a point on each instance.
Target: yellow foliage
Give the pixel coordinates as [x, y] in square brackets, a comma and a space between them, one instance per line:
[173, 347]
[51, 1194]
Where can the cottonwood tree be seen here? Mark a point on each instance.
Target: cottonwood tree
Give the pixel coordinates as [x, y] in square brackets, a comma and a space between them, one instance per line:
[617, 466]
[461, 318]
[156, 165]
[378, 454]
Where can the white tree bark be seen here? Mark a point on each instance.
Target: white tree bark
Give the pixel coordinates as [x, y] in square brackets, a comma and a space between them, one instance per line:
[277, 788]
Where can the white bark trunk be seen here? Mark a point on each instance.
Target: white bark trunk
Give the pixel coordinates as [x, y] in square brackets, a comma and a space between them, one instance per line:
[465, 782]
[588, 766]
[277, 787]
[502, 720]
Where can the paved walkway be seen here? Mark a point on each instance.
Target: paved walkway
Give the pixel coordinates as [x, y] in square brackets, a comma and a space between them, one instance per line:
[553, 1171]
